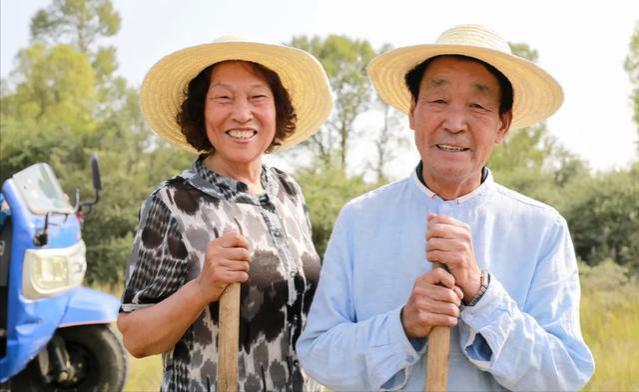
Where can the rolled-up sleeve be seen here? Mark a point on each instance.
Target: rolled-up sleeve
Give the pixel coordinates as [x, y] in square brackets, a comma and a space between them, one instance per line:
[537, 346]
[342, 352]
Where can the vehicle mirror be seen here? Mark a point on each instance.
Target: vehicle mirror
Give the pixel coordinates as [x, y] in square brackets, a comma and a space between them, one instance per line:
[95, 171]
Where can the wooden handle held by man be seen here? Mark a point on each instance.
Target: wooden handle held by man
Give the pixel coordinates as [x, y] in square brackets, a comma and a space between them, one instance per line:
[437, 359]
[228, 338]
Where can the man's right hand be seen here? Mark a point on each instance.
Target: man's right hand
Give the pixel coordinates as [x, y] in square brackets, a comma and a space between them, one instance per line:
[434, 301]
[226, 261]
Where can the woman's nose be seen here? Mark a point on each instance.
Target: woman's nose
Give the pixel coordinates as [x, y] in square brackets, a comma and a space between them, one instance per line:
[242, 112]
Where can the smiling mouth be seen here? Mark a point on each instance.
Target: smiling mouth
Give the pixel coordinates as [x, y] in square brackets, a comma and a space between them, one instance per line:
[242, 134]
[449, 148]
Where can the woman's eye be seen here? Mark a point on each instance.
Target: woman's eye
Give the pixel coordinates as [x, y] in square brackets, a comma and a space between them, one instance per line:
[439, 101]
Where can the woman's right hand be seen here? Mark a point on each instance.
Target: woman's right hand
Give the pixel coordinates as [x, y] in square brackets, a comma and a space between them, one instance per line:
[226, 261]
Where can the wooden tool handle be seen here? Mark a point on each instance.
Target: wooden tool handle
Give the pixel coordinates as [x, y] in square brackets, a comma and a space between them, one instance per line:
[228, 338]
[437, 359]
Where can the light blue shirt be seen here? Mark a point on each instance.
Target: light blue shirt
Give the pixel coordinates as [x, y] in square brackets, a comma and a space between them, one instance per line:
[523, 334]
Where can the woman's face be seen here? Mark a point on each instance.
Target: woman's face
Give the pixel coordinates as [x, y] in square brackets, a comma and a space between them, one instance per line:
[239, 113]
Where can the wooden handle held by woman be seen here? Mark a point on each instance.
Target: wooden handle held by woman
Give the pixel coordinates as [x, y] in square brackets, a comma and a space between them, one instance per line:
[228, 338]
[437, 359]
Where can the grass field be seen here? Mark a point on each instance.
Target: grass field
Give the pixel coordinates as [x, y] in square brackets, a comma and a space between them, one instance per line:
[610, 324]
[609, 320]
[144, 374]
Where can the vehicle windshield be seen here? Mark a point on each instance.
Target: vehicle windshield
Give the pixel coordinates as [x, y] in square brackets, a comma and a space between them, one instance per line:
[41, 191]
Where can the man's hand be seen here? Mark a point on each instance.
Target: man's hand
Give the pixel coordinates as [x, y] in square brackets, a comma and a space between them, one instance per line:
[434, 301]
[450, 242]
[226, 261]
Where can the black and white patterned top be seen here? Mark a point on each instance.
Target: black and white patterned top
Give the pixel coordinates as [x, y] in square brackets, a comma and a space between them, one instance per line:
[177, 221]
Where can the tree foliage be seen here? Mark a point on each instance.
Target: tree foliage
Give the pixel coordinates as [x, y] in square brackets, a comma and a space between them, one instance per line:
[632, 67]
[533, 162]
[604, 218]
[80, 22]
[345, 60]
[326, 190]
[64, 101]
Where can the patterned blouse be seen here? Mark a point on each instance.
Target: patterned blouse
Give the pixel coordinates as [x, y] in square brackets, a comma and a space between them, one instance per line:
[177, 221]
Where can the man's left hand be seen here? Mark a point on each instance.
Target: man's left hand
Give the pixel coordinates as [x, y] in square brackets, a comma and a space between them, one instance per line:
[450, 242]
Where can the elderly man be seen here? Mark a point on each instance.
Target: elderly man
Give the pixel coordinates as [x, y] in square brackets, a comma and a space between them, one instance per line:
[510, 292]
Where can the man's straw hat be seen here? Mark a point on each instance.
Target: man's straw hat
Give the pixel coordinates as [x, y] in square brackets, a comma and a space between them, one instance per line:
[537, 95]
[163, 89]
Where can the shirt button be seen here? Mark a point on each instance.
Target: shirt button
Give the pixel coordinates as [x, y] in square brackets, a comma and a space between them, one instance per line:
[291, 274]
[277, 233]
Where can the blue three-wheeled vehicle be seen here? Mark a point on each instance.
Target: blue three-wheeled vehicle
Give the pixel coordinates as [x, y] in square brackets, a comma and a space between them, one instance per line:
[54, 333]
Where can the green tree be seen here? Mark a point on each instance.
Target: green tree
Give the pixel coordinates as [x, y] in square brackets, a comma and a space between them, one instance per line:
[52, 100]
[533, 162]
[604, 217]
[83, 24]
[632, 67]
[64, 101]
[326, 190]
[80, 22]
[344, 60]
[389, 140]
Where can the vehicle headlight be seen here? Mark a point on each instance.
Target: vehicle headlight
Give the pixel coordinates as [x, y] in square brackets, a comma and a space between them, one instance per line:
[48, 272]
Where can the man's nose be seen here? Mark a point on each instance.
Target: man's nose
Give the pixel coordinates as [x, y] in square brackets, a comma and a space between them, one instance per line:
[242, 111]
[456, 120]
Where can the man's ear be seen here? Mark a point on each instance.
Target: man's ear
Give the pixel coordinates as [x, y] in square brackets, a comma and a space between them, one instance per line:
[411, 114]
[505, 120]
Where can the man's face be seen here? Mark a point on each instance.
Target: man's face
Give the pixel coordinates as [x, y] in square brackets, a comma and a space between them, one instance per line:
[457, 122]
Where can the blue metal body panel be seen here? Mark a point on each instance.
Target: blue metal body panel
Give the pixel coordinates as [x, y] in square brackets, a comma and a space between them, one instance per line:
[88, 306]
[32, 323]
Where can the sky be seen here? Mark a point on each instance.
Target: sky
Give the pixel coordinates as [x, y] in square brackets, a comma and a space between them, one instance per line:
[583, 44]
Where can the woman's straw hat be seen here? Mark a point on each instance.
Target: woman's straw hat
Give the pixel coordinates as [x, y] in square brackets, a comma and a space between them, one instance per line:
[537, 95]
[163, 89]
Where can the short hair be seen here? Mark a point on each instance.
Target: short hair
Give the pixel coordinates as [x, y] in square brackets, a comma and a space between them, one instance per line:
[190, 117]
[413, 79]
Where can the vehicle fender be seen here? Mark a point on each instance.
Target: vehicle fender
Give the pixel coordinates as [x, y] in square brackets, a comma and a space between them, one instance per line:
[88, 306]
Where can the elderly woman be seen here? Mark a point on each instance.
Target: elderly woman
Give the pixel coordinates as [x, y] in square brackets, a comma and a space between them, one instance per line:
[229, 218]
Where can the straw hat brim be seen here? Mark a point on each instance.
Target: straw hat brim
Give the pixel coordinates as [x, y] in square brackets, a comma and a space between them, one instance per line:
[537, 95]
[163, 89]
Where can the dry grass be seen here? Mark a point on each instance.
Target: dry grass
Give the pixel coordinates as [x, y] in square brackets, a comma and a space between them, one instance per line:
[610, 324]
[144, 374]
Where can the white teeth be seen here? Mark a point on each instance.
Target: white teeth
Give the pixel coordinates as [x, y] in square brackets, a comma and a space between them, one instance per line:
[241, 134]
[447, 147]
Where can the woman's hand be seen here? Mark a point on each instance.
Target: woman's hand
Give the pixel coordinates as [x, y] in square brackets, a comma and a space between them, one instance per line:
[226, 261]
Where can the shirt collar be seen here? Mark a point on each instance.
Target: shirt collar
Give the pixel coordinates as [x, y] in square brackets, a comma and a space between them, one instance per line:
[486, 181]
[217, 185]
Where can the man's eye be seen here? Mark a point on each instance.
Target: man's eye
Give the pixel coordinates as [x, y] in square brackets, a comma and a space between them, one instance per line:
[477, 106]
[222, 97]
[438, 101]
